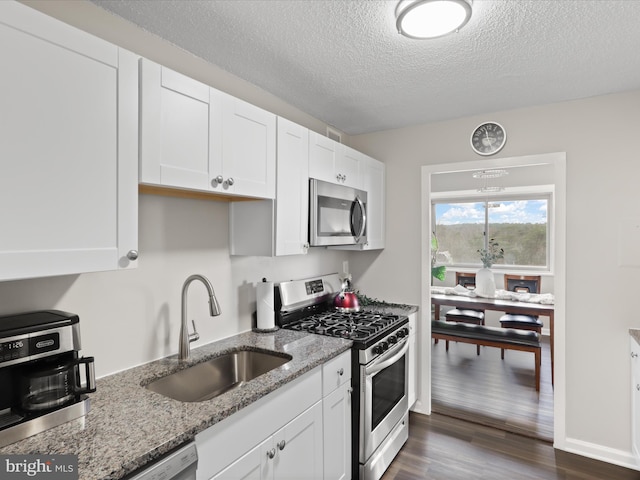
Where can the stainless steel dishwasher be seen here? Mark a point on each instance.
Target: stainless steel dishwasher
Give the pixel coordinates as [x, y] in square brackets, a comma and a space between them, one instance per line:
[179, 464]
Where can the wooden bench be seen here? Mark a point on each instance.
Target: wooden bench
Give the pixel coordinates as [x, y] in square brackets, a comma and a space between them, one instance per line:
[503, 338]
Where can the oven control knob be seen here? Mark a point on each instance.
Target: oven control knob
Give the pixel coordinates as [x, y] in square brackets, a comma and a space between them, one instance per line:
[392, 340]
[400, 333]
[377, 350]
[384, 346]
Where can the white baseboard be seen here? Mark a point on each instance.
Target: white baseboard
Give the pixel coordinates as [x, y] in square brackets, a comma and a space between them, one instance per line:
[604, 454]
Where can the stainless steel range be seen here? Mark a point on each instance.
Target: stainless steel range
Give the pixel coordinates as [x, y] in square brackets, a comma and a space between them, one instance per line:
[380, 407]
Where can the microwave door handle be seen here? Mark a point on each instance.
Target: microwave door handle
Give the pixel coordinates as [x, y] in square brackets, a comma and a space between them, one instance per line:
[364, 218]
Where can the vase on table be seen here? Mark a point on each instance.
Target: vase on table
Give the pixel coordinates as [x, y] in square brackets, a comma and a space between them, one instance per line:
[485, 283]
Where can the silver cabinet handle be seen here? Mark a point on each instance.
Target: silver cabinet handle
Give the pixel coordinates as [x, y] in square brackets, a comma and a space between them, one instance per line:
[634, 354]
[281, 445]
[132, 255]
[219, 179]
[271, 453]
[341, 372]
[638, 387]
[230, 181]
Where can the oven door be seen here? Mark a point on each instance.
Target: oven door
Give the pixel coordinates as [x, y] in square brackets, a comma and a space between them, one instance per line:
[383, 399]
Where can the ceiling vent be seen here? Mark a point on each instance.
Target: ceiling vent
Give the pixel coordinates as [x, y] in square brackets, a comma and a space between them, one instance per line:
[334, 134]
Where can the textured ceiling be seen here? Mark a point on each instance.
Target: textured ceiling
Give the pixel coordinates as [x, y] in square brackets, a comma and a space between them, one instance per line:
[343, 62]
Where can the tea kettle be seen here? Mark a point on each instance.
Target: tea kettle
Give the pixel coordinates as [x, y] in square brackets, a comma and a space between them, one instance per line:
[346, 300]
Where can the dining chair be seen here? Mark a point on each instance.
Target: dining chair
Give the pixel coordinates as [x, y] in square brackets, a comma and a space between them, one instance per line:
[521, 284]
[465, 315]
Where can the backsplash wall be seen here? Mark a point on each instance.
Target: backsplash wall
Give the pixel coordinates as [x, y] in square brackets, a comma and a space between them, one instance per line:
[131, 317]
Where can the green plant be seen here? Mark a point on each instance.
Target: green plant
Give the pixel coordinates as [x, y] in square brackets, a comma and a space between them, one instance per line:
[438, 272]
[489, 255]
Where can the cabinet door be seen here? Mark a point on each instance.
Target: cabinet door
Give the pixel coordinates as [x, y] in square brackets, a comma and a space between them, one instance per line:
[248, 161]
[348, 167]
[254, 465]
[323, 158]
[292, 199]
[374, 183]
[337, 433]
[180, 129]
[298, 446]
[68, 147]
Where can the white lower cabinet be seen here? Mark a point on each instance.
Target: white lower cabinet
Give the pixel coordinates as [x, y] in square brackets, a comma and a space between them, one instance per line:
[300, 431]
[337, 433]
[336, 406]
[294, 451]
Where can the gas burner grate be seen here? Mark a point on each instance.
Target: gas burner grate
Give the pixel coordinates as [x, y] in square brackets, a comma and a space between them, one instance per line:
[350, 325]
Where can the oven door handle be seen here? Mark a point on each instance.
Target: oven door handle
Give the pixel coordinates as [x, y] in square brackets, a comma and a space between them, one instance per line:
[397, 353]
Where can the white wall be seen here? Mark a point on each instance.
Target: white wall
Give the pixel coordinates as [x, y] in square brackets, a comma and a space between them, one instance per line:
[599, 136]
[131, 317]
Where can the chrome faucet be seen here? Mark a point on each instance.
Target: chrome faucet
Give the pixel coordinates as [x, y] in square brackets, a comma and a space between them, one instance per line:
[214, 308]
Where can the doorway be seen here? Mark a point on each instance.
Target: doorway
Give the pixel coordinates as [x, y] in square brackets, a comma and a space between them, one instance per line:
[547, 169]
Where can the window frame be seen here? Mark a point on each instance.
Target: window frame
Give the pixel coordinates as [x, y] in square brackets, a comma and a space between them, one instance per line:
[537, 192]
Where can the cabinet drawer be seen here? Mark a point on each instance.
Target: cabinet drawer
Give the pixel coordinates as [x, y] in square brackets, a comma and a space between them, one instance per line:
[336, 372]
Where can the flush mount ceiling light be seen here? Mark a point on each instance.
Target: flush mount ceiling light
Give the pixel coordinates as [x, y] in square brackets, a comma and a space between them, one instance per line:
[431, 18]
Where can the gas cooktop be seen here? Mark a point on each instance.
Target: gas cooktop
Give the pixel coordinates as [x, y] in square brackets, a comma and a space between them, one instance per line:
[306, 305]
[354, 325]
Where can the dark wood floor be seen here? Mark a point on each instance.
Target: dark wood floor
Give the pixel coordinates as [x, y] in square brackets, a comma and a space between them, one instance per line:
[445, 448]
[493, 392]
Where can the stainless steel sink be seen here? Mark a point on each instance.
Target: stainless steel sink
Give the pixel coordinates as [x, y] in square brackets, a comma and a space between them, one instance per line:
[214, 377]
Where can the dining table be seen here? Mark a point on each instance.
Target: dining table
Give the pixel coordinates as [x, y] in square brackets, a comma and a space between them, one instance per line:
[500, 305]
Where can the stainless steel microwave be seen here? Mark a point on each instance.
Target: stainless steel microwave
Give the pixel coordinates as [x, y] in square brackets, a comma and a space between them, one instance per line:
[337, 214]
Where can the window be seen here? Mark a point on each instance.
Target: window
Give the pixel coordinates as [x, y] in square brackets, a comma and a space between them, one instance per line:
[520, 225]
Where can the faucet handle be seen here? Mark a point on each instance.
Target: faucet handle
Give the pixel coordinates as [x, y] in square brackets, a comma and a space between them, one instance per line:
[195, 335]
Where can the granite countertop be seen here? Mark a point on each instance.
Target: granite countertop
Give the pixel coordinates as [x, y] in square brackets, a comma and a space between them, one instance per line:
[129, 426]
[390, 308]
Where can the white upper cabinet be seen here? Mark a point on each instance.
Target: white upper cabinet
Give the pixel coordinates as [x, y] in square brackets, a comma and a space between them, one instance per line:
[374, 183]
[195, 137]
[248, 162]
[278, 227]
[333, 162]
[292, 199]
[373, 179]
[180, 129]
[349, 166]
[68, 148]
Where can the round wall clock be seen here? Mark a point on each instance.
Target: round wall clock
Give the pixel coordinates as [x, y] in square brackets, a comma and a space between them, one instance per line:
[488, 138]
